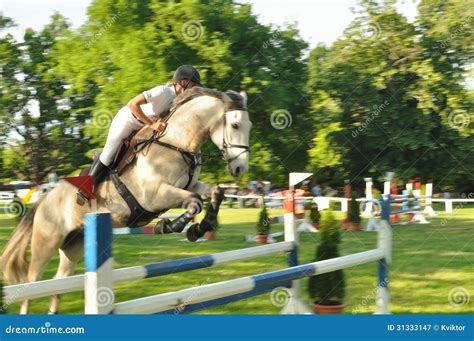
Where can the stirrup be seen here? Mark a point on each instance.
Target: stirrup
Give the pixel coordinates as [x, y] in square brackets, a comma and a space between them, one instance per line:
[81, 199]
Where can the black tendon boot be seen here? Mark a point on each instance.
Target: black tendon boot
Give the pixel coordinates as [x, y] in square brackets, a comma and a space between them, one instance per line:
[99, 171]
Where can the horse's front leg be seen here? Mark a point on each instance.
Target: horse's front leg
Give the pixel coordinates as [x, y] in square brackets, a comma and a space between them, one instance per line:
[216, 195]
[192, 202]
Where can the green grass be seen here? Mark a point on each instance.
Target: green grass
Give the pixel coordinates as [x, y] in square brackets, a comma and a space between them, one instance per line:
[428, 261]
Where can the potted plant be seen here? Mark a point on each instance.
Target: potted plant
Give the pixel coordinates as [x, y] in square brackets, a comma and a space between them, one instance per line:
[263, 225]
[327, 290]
[314, 214]
[354, 213]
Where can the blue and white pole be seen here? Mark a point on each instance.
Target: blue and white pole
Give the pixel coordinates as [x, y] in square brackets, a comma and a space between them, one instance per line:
[384, 243]
[98, 286]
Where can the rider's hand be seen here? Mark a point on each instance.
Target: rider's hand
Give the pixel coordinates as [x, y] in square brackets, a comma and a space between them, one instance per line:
[158, 126]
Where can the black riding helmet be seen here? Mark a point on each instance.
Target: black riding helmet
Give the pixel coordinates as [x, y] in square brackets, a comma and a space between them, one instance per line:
[187, 72]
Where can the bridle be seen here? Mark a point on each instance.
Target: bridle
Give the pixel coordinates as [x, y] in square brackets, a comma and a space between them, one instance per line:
[226, 145]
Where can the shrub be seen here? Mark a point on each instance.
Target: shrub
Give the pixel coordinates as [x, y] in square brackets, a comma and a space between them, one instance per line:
[354, 210]
[329, 288]
[314, 214]
[263, 224]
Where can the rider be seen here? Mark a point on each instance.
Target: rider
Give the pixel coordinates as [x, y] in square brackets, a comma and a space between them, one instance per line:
[132, 118]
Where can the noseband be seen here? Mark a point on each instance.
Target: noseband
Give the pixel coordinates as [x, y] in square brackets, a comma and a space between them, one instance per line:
[226, 145]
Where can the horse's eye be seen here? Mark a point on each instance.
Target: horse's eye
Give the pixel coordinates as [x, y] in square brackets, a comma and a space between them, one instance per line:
[235, 126]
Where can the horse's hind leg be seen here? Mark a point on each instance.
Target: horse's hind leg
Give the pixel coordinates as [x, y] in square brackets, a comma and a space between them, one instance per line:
[69, 254]
[43, 249]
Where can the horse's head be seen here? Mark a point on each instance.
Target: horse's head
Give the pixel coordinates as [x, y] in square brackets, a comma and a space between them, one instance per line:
[232, 137]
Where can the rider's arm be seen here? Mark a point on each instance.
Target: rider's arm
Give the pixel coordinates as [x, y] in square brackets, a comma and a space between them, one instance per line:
[134, 105]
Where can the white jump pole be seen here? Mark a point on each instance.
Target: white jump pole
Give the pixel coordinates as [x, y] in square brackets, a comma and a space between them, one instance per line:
[384, 242]
[294, 304]
[428, 196]
[388, 182]
[98, 285]
[368, 195]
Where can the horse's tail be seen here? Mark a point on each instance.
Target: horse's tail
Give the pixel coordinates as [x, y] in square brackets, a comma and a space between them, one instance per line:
[13, 260]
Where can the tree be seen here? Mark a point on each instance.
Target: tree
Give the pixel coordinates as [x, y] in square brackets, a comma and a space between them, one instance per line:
[386, 100]
[34, 108]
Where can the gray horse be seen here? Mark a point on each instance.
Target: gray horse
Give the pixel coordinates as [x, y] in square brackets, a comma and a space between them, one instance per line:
[159, 179]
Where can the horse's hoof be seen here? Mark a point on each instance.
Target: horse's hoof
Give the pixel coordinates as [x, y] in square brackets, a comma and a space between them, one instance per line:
[192, 234]
[162, 227]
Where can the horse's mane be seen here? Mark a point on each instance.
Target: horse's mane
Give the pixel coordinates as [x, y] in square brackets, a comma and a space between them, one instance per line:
[232, 99]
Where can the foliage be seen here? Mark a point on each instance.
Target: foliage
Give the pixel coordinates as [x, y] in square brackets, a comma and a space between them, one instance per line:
[354, 209]
[263, 224]
[391, 96]
[314, 214]
[34, 108]
[328, 288]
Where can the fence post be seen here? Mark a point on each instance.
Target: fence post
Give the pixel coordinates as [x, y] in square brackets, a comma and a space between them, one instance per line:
[368, 195]
[98, 289]
[384, 242]
[428, 196]
[294, 304]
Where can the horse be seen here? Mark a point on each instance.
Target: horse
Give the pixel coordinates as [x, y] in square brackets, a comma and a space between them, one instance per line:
[160, 178]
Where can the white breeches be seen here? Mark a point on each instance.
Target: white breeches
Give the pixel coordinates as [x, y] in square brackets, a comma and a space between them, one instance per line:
[121, 127]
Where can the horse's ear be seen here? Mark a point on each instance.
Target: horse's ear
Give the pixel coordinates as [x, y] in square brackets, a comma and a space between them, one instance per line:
[244, 96]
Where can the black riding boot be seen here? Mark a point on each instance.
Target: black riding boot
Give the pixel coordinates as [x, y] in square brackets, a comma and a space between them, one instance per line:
[99, 171]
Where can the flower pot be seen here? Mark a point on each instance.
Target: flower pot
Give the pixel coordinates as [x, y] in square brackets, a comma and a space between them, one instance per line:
[262, 238]
[355, 226]
[300, 215]
[328, 309]
[210, 235]
[345, 226]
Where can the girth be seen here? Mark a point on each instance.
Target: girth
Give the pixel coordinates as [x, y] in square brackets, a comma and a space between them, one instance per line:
[138, 215]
